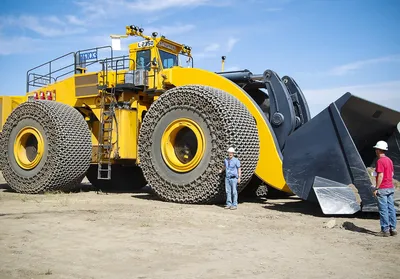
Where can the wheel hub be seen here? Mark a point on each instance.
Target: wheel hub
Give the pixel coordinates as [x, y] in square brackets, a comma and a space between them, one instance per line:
[183, 145]
[28, 148]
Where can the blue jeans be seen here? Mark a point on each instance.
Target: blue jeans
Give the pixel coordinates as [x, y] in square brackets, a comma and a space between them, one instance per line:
[387, 212]
[231, 191]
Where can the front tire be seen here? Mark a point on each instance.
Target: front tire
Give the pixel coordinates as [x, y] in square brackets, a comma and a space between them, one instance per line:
[183, 141]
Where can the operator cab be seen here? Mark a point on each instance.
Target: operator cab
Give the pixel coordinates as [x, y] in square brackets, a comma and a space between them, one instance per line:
[143, 59]
[149, 57]
[168, 60]
[162, 54]
[154, 52]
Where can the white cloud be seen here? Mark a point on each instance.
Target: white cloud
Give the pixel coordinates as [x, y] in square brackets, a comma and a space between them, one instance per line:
[169, 30]
[15, 45]
[212, 47]
[201, 55]
[352, 67]
[74, 20]
[232, 68]
[46, 26]
[55, 20]
[97, 10]
[154, 18]
[208, 52]
[231, 43]
[156, 5]
[111, 8]
[385, 94]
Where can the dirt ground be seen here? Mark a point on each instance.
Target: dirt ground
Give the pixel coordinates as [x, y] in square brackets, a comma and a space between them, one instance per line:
[98, 235]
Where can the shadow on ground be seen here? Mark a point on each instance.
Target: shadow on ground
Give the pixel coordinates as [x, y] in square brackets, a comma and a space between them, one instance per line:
[248, 199]
[350, 226]
[87, 187]
[120, 191]
[5, 188]
[290, 204]
[294, 205]
[145, 193]
[22, 215]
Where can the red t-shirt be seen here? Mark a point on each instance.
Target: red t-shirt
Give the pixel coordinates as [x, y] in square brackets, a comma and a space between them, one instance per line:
[385, 165]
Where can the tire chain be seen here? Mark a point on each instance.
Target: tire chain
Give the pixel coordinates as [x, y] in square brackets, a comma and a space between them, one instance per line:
[69, 147]
[229, 123]
[255, 188]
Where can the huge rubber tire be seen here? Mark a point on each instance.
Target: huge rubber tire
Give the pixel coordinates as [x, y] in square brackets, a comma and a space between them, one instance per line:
[225, 122]
[255, 189]
[67, 147]
[123, 179]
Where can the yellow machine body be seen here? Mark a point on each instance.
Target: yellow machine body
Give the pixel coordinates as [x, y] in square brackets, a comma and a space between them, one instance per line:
[82, 90]
[147, 109]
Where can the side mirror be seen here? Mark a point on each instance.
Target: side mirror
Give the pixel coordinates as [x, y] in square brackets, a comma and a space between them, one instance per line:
[154, 62]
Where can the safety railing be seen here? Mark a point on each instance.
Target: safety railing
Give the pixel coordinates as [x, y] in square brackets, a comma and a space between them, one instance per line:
[50, 72]
[123, 64]
[115, 64]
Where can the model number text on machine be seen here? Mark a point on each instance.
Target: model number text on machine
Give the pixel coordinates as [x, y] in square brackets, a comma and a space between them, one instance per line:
[146, 43]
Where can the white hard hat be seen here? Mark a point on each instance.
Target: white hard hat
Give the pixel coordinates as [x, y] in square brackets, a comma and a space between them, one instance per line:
[231, 149]
[382, 145]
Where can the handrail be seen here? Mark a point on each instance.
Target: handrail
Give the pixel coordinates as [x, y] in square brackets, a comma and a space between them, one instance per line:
[44, 64]
[123, 59]
[39, 77]
[52, 61]
[50, 75]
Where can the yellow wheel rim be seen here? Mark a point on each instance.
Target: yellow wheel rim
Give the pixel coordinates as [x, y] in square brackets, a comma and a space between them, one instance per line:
[28, 148]
[183, 145]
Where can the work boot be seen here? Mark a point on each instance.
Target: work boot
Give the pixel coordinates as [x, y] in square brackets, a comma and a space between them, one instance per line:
[383, 234]
[393, 232]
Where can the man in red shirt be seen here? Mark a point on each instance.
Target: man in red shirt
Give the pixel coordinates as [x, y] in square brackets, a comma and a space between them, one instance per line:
[384, 190]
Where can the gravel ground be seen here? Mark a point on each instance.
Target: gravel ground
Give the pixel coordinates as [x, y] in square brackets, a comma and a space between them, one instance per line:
[98, 235]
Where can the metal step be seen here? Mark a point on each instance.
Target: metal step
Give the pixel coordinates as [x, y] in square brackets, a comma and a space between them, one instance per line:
[104, 173]
[106, 146]
[107, 121]
[108, 113]
[108, 102]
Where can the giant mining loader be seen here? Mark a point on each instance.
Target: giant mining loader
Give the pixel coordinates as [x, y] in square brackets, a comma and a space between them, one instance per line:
[144, 119]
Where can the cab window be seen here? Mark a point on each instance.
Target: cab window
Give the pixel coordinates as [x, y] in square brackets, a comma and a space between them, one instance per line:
[143, 60]
[168, 60]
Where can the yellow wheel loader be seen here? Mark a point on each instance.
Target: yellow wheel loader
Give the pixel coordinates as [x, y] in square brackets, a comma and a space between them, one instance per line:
[128, 121]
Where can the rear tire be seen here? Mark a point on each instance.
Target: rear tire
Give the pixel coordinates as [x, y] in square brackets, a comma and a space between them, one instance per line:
[123, 179]
[219, 120]
[46, 146]
[255, 189]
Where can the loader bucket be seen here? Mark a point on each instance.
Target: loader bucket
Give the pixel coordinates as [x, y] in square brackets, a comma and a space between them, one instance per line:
[325, 160]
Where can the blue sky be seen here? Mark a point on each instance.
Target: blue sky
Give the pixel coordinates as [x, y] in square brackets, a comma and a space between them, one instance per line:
[329, 47]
